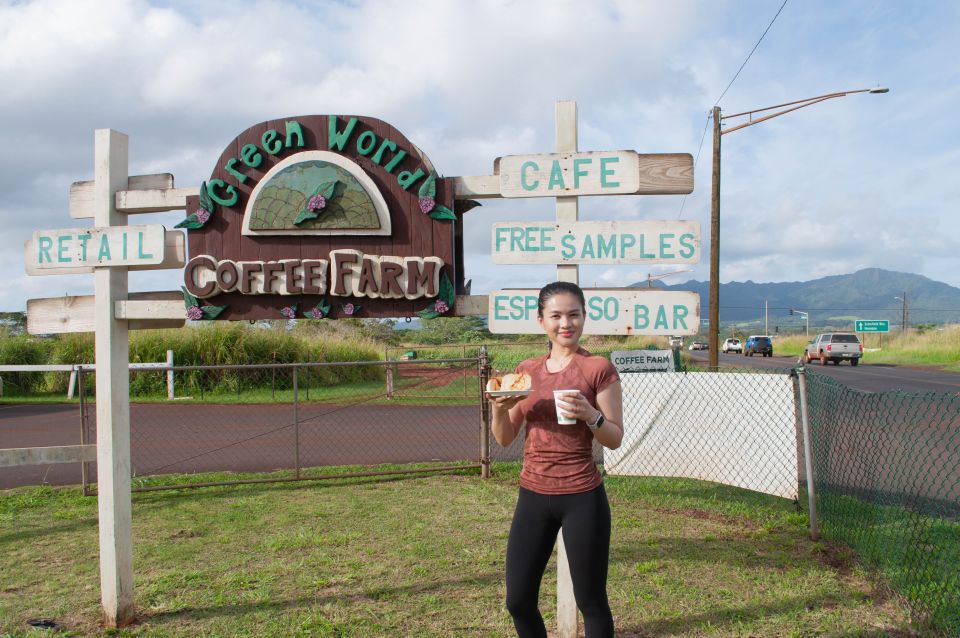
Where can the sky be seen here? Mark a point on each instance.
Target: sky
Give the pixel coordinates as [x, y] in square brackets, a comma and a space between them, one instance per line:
[861, 181]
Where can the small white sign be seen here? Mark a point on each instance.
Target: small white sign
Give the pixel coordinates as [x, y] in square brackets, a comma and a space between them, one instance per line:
[95, 247]
[617, 311]
[567, 174]
[642, 242]
[643, 360]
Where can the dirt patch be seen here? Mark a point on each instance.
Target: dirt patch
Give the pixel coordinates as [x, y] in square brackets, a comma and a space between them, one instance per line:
[715, 517]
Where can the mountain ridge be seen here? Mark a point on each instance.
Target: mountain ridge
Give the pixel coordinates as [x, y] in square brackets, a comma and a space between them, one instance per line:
[835, 300]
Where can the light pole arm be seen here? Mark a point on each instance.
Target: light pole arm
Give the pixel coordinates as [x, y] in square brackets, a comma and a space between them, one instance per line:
[802, 103]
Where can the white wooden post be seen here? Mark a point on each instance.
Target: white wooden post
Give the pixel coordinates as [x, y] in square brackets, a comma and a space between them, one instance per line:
[170, 375]
[72, 383]
[567, 211]
[113, 397]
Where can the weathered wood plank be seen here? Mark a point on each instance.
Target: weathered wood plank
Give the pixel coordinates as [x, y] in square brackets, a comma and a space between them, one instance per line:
[665, 174]
[567, 174]
[56, 315]
[470, 306]
[13, 457]
[133, 202]
[476, 187]
[81, 193]
[174, 256]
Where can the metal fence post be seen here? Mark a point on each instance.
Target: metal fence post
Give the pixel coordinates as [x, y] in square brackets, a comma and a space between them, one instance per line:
[84, 438]
[807, 453]
[483, 363]
[296, 423]
[170, 375]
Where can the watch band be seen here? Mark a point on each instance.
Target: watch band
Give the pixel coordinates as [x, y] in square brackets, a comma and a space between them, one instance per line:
[596, 425]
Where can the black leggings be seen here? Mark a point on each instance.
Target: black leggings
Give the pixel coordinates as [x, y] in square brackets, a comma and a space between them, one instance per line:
[585, 519]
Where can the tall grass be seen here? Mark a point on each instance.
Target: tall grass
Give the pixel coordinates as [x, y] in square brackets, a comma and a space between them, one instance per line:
[23, 351]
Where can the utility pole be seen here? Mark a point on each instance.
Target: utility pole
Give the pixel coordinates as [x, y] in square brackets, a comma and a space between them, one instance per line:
[904, 313]
[766, 317]
[713, 337]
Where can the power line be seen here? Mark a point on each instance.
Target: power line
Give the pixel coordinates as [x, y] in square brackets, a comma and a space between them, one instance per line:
[736, 75]
[751, 53]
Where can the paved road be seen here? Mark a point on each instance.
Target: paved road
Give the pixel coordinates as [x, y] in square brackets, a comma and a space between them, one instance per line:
[867, 377]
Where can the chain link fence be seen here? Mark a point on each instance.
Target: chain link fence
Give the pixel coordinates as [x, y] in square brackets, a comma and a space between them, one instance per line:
[373, 417]
[887, 468]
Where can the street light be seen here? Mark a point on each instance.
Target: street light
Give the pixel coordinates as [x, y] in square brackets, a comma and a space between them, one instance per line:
[715, 195]
[806, 316]
[903, 312]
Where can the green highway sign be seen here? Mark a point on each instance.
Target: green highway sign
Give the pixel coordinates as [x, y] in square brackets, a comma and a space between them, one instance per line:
[872, 325]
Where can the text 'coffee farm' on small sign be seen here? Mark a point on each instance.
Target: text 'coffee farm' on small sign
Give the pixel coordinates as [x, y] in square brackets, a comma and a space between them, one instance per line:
[610, 242]
[643, 360]
[620, 311]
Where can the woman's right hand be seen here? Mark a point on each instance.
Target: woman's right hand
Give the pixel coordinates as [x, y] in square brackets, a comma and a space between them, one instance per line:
[504, 403]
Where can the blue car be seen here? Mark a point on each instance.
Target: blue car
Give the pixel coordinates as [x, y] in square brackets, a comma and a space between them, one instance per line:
[758, 344]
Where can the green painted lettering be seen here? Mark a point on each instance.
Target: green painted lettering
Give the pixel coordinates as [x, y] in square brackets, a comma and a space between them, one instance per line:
[516, 239]
[231, 192]
[396, 160]
[498, 237]
[605, 172]
[140, 253]
[104, 249]
[680, 317]
[62, 248]
[626, 241]
[384, 145]
[84, 238]
[556, 176]
[687, 248]
[270, 142]
[546, 239]
[607, 247]
[251, 156]
[594, 308]
[241, 178]
[587, 250]
[366, 142]
[665, 247]
[529, 243]
[499, 312]
[293, 130]
[569, 249]
[123, 244]
[530, 307]
[643, 253]
[337, 139]
[527, 186]
[641, 317]
[44, 244]
[661, 322]
[406, 179]
[577, 173]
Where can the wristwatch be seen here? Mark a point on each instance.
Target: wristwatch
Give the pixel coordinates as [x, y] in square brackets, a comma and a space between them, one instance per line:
[596, 425]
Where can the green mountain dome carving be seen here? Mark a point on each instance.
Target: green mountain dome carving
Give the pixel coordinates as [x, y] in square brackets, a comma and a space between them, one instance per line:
[281, 199]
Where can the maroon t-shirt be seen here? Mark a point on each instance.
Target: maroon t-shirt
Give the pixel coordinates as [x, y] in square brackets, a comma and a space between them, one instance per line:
[558, 459]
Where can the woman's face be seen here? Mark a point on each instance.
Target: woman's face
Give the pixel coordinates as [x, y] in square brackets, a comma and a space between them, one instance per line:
[562, 319]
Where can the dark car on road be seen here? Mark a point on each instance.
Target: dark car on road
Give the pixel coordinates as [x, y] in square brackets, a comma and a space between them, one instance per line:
[758, 344]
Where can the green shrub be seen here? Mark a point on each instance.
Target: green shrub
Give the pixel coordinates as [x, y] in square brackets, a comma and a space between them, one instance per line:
[23, 351]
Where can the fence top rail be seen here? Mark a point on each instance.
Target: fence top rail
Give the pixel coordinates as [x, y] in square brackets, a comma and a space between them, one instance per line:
[319, 364]
[66, 367]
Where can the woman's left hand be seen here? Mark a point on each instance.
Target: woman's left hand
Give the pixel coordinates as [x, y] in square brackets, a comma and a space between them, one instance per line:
[573, 404]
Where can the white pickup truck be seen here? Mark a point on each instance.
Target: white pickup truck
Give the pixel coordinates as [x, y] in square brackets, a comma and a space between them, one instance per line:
[835, 347]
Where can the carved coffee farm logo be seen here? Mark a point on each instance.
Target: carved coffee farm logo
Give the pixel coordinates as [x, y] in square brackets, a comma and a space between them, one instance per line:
[322, 216]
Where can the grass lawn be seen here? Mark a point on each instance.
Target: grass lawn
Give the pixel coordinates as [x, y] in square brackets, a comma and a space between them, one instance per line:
[423, 556]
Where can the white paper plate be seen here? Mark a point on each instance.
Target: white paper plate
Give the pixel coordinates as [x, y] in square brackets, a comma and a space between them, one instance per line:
[508, 393]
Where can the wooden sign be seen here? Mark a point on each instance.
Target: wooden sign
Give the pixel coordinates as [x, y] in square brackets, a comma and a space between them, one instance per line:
[643, 242]
[323, 216]
[617, 311]
[57, 315]
[96, 247]
[174, 256]
[595, 173]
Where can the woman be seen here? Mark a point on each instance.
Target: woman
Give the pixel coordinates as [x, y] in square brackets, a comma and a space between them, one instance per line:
[560, 486]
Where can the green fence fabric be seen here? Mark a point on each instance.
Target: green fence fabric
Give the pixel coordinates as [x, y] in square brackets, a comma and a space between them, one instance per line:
[887, 478]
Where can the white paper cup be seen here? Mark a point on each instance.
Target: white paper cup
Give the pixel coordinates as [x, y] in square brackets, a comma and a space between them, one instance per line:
[557, 398]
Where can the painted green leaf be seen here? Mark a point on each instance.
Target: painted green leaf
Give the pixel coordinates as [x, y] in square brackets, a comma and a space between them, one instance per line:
[190, 223]
[189, 300]
[205, 200]
[324, 307]
[212, 312]
[304, 216]
[327, 189]
[428, 313]
[442, 212]
[447, 291]
[429, 186]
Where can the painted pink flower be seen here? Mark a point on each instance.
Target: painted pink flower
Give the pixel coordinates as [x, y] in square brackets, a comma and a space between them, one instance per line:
[427, 204]
[316, 203]
[288, 312]
[316, 313]
[203, 215]
[441, 306]
[194, 313]
[349, 309]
